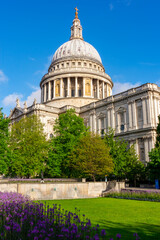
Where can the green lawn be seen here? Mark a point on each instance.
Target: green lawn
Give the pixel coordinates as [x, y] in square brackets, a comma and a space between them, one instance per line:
[119, 216]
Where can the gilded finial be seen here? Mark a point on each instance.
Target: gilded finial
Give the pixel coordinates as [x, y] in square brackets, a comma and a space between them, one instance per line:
[76, 13]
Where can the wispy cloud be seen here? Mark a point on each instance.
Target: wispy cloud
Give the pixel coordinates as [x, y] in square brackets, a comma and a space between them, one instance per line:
[121, 87]
[125, 2]
[114, 3]
[32, 59]
[10, 100]
[3, 77]
[148, 63]
[34, 95]
[33, 87]
[111, 6]
[158, 82]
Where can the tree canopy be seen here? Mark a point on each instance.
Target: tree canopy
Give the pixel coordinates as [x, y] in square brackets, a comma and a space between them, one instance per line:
[4, 149]
[29, 147]
[154, 165]
[68, 129]
[126, 162]
[91, 157]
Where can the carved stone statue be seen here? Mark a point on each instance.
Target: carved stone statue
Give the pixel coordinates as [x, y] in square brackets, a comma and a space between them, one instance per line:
[35, 101]
[25, 105]
[17, 102]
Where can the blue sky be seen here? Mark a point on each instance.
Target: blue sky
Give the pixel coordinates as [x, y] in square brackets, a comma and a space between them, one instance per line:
[126, 33]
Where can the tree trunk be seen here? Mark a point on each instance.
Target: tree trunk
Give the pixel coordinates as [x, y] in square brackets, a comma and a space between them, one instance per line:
[93, 178]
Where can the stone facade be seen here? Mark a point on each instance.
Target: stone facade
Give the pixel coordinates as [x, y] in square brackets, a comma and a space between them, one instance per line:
[76, 79]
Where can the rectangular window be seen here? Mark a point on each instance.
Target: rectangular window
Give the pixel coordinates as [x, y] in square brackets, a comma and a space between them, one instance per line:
[79, 93]
[72, 93]
[122, 127]
[102, 127]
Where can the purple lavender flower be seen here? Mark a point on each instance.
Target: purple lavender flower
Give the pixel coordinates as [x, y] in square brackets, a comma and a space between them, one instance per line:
[118, 236]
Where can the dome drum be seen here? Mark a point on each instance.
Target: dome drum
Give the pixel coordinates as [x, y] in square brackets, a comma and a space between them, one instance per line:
[75, 87]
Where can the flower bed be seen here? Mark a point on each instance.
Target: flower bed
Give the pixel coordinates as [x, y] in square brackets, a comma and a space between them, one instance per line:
[22, 219]
[134, 194]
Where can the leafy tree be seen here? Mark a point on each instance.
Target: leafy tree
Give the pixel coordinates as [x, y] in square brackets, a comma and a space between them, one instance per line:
[91, 157]
[68, 129]
[158, 134]
[153, 166]
[126, 163]
[29, 147]
[118, 151]
[135, 169]
[4, 150]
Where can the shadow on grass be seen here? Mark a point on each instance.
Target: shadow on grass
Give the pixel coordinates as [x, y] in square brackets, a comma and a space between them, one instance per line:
[145, 231]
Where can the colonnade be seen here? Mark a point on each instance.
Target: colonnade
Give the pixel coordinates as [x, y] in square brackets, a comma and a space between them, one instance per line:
[75, 87]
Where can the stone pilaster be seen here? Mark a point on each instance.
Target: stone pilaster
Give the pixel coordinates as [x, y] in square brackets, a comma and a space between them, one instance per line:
[146, 149]
[134, 115]
[148, 110]
[130, 115]
[109, 117]
[91, 122]
[112, 118]
[144, 111]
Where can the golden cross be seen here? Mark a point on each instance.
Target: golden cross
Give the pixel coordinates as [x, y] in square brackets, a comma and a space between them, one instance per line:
[76, 13]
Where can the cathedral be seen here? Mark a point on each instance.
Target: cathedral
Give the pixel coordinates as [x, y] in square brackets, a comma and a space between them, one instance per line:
[77, 79]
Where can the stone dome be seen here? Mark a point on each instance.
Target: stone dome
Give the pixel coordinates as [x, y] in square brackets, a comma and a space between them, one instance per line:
[77, 48]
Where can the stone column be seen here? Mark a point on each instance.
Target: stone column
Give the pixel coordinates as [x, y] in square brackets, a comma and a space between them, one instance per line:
[144, 111]
[83, 87]
[97, 88]
[134, 115]
[68, 87]
[102, 89]
[49, 90]
[130, 115]
[61, 89]
[45, 93]
[76, 86]
[92, 88]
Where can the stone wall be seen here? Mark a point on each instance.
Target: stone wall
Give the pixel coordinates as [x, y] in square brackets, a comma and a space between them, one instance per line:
[50, 191]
